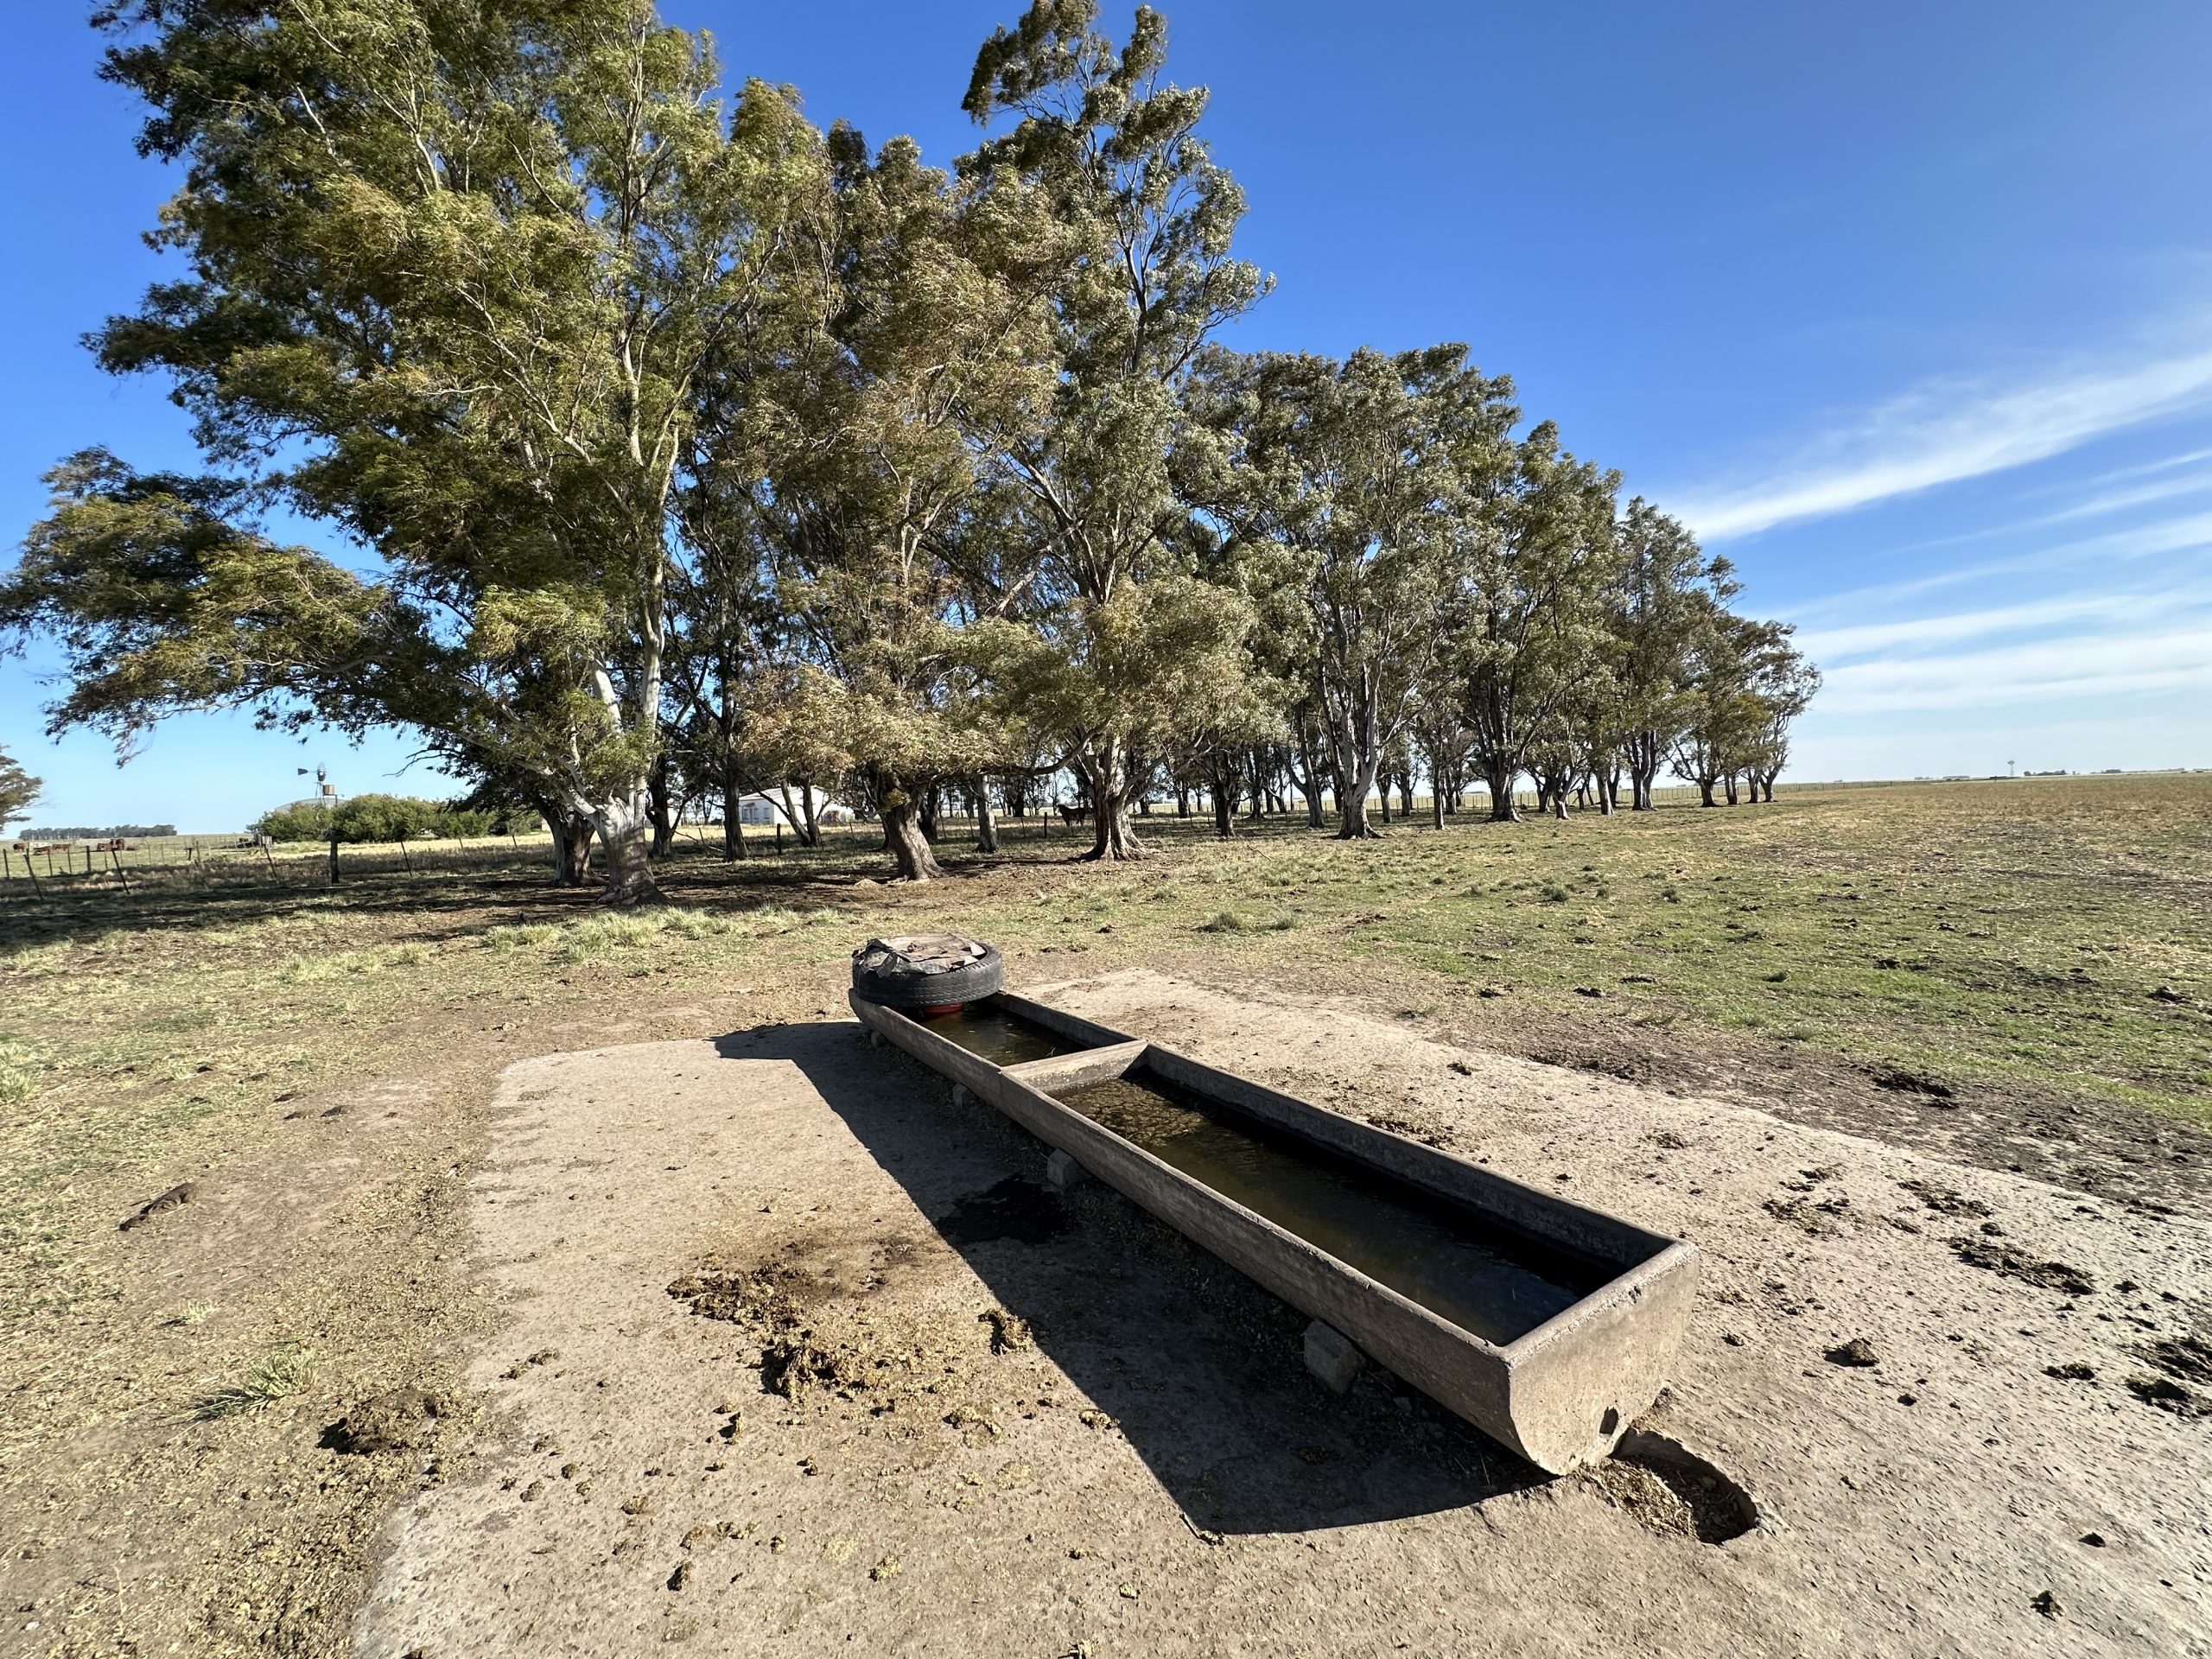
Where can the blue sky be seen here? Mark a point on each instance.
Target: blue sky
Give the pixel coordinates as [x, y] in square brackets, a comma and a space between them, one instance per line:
[1907, 308]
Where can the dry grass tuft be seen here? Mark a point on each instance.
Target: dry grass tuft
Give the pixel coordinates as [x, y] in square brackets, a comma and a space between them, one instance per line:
[280, 1374]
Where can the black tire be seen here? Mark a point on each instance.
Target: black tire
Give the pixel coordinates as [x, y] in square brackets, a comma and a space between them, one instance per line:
[894, 988]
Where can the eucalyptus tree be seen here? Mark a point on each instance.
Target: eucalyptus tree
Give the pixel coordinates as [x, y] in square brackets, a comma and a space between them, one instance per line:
[1535, 561]
[1361, 469]
[723, 627]
[19, 791]
[1129, 652]
[1670, 591]
[861, 477]
[1439, 731]
[1241, 722]
[1746, 682]
[454, 272]
[1784, 681]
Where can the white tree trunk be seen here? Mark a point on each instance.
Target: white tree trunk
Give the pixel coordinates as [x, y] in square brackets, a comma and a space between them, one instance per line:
[625, 827]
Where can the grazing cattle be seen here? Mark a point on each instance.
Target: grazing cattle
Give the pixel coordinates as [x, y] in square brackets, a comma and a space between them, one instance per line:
[1079, 813]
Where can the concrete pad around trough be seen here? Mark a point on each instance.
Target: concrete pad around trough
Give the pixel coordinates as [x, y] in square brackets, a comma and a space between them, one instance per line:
[1148, 1468]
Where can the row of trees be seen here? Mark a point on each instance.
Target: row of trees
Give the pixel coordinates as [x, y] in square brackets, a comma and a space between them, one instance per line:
[677, 447]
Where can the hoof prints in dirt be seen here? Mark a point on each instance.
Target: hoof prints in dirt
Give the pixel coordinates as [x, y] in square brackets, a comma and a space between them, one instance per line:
[1944, 1200]
[2015, 1263]
[2166, 1395]
[2186, 1357]
[1671, 1489]
[1900, 1082]
[400, 1420]
[1013, 1209]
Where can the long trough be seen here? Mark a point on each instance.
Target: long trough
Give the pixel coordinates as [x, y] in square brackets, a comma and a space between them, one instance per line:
[1546, 1324]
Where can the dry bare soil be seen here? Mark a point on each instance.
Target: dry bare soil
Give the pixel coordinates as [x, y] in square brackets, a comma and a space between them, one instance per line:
[457, 1135]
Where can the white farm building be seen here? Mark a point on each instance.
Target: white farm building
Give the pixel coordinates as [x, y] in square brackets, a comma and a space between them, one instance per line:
[766, 808]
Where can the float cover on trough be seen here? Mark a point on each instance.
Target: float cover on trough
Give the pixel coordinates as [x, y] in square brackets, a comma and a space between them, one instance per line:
[919, 953]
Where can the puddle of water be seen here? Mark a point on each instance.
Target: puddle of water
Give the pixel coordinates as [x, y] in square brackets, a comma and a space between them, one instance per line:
[998, 1036]
[1484, 1278]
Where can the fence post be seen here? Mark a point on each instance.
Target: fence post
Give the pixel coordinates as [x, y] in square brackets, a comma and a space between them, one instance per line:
[115, 858]
[334, 858]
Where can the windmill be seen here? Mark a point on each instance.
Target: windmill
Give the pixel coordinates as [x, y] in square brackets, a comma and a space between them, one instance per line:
[323, 786]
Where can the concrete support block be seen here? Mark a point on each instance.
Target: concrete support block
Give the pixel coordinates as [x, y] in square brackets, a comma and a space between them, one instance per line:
[1332, 1355]
[960, 1095]
[1063, 1171]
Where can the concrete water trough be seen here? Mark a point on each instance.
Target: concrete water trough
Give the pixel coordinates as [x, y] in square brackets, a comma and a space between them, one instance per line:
[1547, 1325]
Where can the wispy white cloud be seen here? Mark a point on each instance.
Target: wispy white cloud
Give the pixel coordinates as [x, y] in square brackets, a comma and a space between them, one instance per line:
[2075, 670]
[2187, 533]
[2112, 501]
[1948, 431]
[1892, 639]
[2148, 467]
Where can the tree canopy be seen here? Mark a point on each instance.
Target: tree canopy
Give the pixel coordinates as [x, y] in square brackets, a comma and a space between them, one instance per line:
[19, 791]
[659, 445]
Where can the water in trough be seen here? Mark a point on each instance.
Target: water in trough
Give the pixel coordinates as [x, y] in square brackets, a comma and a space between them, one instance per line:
[1488, 1279]
[998, 1035]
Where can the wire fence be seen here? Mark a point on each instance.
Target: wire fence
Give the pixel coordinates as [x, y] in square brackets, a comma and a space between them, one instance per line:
[28, 869]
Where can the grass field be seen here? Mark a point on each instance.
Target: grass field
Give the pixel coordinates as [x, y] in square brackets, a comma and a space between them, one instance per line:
[2054, 934]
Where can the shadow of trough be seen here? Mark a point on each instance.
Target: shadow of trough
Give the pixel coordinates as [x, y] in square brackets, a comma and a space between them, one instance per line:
[1201, 1368]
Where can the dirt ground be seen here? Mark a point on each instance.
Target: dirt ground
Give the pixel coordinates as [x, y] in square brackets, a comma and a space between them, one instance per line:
[780, 1351]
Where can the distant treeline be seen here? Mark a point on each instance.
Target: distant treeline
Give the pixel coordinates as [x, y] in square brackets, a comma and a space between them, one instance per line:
[113, 832]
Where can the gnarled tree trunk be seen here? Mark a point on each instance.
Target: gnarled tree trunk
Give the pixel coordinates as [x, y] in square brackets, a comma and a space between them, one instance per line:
[1500, 779]
[572, 833]
[1351, 805]
[1645, 755]
[987, 823]
[1224, 791]
[625, 827]
[1104, 766]
[902, 834]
